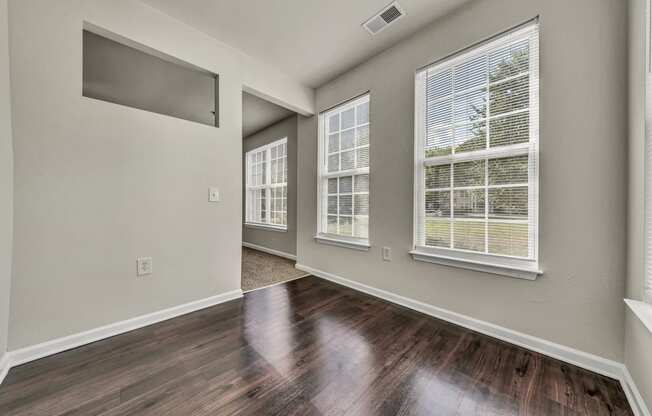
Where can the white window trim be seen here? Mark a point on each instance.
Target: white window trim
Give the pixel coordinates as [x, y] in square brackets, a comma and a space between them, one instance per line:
[361, 244]
[268, 174]
[642, 310]
[343, 241]
[647, 210]
[490, 263]
[267, 227]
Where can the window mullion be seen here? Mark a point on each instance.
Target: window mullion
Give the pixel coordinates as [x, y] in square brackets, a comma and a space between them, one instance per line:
[452, 207]
[486, 163]
[486, 206]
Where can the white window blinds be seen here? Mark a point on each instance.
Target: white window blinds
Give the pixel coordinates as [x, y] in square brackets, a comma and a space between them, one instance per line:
[266, 194]
[476, 151]
[344, 171]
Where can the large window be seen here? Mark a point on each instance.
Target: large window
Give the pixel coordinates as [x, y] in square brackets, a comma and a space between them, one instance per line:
[267, 185]
[344, 173]
[476, 151]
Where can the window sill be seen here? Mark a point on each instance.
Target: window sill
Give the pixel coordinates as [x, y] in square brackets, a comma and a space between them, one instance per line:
[355, 245]
[266, 227]
[642, 310]
[527, 273]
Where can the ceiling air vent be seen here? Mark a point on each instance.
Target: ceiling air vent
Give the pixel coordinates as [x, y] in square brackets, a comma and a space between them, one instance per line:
[382, 19]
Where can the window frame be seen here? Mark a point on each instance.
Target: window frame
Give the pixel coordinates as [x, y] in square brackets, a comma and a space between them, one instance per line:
[267, 186]
[519, 267]
[647, 168]
[323, 175]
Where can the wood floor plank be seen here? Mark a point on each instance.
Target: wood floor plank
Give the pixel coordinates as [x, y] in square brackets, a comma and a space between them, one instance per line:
[306, 347]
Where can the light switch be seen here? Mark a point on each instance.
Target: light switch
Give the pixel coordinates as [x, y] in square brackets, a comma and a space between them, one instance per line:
[144, 266]
[213, 195]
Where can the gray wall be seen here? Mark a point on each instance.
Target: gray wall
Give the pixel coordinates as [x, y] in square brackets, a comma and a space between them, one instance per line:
[98, 185]
[284, 241]
[6, 179]
[578, 300]
[638, 339]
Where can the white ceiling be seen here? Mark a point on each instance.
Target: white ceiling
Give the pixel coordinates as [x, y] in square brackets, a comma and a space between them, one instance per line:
[312, 40]
[258, 114]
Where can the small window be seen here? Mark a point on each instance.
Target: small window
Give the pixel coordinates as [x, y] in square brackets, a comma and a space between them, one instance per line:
[267, 185]
[476, 150]
[344, 172]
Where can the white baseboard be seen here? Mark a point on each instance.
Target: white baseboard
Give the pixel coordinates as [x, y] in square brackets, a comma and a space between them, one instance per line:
[270, 251]
[633, 394]
[4, 366]
[582, 359]
[27, 354]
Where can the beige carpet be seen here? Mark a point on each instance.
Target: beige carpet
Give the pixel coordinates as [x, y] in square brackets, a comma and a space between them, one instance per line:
[261, 269]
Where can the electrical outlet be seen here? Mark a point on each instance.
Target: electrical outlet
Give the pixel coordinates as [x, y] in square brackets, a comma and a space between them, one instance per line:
[144, 266]
[387, 254]
[213, 195]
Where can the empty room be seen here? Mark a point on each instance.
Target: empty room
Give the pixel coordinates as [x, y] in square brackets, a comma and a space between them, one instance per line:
[284, 207]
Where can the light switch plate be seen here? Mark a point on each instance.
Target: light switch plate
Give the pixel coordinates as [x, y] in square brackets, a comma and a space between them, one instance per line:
[213, 195]
[387, 254]
[144, 266]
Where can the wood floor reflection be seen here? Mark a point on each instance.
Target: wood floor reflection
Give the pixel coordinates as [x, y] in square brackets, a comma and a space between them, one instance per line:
[307, 347]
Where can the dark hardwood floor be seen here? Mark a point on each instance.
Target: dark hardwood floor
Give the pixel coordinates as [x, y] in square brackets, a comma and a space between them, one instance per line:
[307, 347]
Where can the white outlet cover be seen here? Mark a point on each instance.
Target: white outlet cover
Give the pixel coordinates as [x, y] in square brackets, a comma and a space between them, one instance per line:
[144, 266]
[213, 195]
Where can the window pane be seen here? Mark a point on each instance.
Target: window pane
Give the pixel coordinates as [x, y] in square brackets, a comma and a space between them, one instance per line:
[362, 112]
[439, 85]
[438, 142]
[347, 160]
[469, 173]
[346, 226]
[332, 205]
[440, 113]
[509, 239]
[363, 157]
[438, 233]
[333, 143]
[509, 96]
[346, 184]
[508, 170]
[471, 137]
[334, 123]
[508, 203]
[438, 204]
[331, 227]
[469, 235]
[348, 139]
[332, 186]
[346, 204]
[362, 136]
[469, 203]
[470, 106]
[509, 61]
[263, 205]
[333, 163]
[471, 73]
[362, 183]
[510, 130]
[348, 118]
[361, 226]
[438, 176]
[361, 204]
